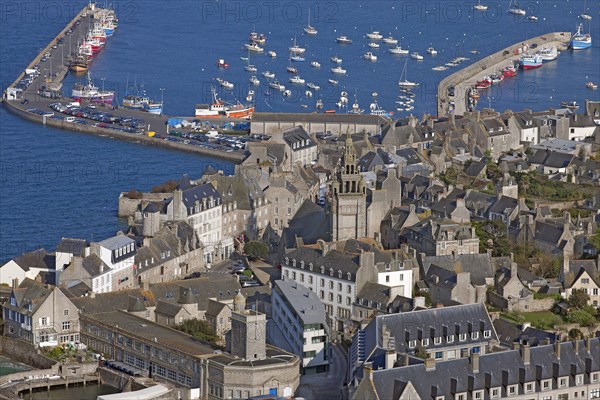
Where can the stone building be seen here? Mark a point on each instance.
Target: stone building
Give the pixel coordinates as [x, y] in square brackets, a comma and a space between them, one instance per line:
[440, 236]
[40, 314]
[348, 204]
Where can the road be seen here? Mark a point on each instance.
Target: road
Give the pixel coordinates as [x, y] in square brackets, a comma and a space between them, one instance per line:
[326, 386]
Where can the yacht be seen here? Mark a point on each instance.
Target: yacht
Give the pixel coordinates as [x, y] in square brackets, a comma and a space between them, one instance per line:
[250, 68]
[404, 82]
[343, 40]
[338, 70]
[375, 35]
[440, 68]
[373, 45]
[480, 7]
[398, 50]
[254, 80]
[297, 80]
[254, 47]
[277, 86]
[370, 56]
[432, 51]
[415, 55]
[313, 86]
[515, 9]
[548, 53]
[336, 59]
[269, 74]
[271, 54]
[390, 40]
[297, 49]
[224, 83]
[532, 18]
[310, 30]
[332, 81]
[315, 64]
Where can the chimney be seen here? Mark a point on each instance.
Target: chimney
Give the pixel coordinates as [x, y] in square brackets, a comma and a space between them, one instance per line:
[93, 295]
[15, 283]
[368, 371]
[576, 345]
[557, 349]
[567, 217]
[475, 362]
[516, 345]
[407, 359]
[526, 354]
[430, 364]
[390, 359]
[588, 344]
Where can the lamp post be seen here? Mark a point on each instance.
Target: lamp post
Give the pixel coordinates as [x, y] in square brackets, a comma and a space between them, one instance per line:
[103, 79]
[162, 92]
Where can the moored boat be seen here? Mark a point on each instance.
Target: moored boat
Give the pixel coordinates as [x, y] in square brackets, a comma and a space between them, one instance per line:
[218, 109]
[531, 61]
[580, 40]
[416, 56]
[548, 53]
[343, 40]
[398, 50]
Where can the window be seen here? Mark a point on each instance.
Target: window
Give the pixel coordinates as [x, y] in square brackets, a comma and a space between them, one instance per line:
[494, 393]
[387, 278]
[412, 344]
[330, 296]
[579, 379]
[478, 394]
[65, 312]
[437, 340]
[528, 387]
[339, 299]
[66, 325]
[595, 377]
[562, 382]
[462, 337]
[487, 334]
[322, 295]
[461, 396]
[439, 355]
[585, 281]
[563, 396]
[331, 285]
[310, 279]
[425, 342]
[546, 384]
[450, 339]
[44, 321]
[475, 335]
[339, 287]
[322, 283]
[512, 390]
[595, 394]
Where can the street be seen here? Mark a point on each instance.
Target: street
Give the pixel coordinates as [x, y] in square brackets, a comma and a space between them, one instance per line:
[326, 386]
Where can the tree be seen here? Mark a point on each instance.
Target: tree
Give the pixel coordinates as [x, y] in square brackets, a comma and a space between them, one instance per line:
[581, 317]
[575, 333]
[256, 249]
[420, 352]
[198, 328]
[579, 299]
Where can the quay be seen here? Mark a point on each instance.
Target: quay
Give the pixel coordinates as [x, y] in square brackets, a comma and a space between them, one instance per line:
[53, 70]
[466, 78]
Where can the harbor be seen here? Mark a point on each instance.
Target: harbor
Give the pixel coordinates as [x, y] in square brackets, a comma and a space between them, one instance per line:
[38, 90]
[453, 91]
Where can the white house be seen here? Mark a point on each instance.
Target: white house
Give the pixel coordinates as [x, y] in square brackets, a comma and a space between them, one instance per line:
[396, 274]
[300, 316]
[118, 253]
[27, 265]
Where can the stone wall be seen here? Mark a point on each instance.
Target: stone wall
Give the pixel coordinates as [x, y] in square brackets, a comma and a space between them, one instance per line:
[36, 373]
[115, 379]
[24, 352]
[128, 207]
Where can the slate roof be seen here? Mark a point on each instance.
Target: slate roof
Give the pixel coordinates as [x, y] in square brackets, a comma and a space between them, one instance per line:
[309, 223]
[450, 377]
[39, 258]
[94, 265]
[111, 301]
[72, 246]
[214, 307]
[297, 138]
[116, 242]
[548, 232]
[480, 266]
[504, 205]
[361, 119]
[475, 168]
[305, 303]
[166, 309]
[29, 292]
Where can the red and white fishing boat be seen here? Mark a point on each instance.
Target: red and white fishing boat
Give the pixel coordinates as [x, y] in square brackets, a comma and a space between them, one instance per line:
[485, 83]
[510, 71]
[222, 64]
[86, 49]
[218, 109]
[98, 33]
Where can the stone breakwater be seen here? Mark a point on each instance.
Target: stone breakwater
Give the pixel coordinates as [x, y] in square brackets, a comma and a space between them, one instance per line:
[465, 78]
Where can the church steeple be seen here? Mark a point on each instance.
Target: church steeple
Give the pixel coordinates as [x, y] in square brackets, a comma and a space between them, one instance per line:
[349, 180]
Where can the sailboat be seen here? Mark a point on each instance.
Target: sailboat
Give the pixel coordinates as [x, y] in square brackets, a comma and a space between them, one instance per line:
[585, 15]
[480, 7]
[405, 83]
[310, 30]
[515, 9]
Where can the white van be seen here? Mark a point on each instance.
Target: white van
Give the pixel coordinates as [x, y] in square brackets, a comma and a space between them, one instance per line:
[70, 119]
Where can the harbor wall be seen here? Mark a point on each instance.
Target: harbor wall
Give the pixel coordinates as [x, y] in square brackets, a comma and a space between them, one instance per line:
[94, 130]
[485, 63]
[24, 352]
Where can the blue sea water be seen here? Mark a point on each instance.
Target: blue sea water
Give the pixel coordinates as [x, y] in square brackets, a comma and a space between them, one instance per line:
[57, 183]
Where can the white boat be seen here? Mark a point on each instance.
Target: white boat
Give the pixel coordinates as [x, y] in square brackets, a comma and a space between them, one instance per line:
[370, 56]
[287, 93]
[336, 59]
[404, 82]
[373, 45]
[224, 83]
[585, 14]
[308, 94]
[332, 81]
[398, 50]
[250, 68]
[548, 53]
[390, 40]
[310, 30]
[319, 104]
[440, 68]
[244, 58]
[515, 9]
[480, 7]
[315, 64]
[271, 54]
[254, 80]
[277, 86]
[375, 35]
[432, 51]
[416, 56]
[591, 85]
[343, 40]
[297, 49]
[313, 86]
[338, 70]
[532, 18]
[269, 74]
[254, 47]
[297, 80]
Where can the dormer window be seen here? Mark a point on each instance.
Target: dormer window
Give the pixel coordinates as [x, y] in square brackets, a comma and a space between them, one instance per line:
[287, 261]
[437, 340]
[425, 342]
[494, 393]
[322, 269]
[310, 266]
[450, 339]
[487, 334]
[340, 274]
[529, 387]
[475, 335]
[294, 262]
[412, 344]
[349, 276]
[330, 271]
[302, 264]
[462, 337]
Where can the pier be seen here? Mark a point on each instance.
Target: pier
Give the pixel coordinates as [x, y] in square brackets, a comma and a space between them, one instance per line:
[53, 70]
[466, 78]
